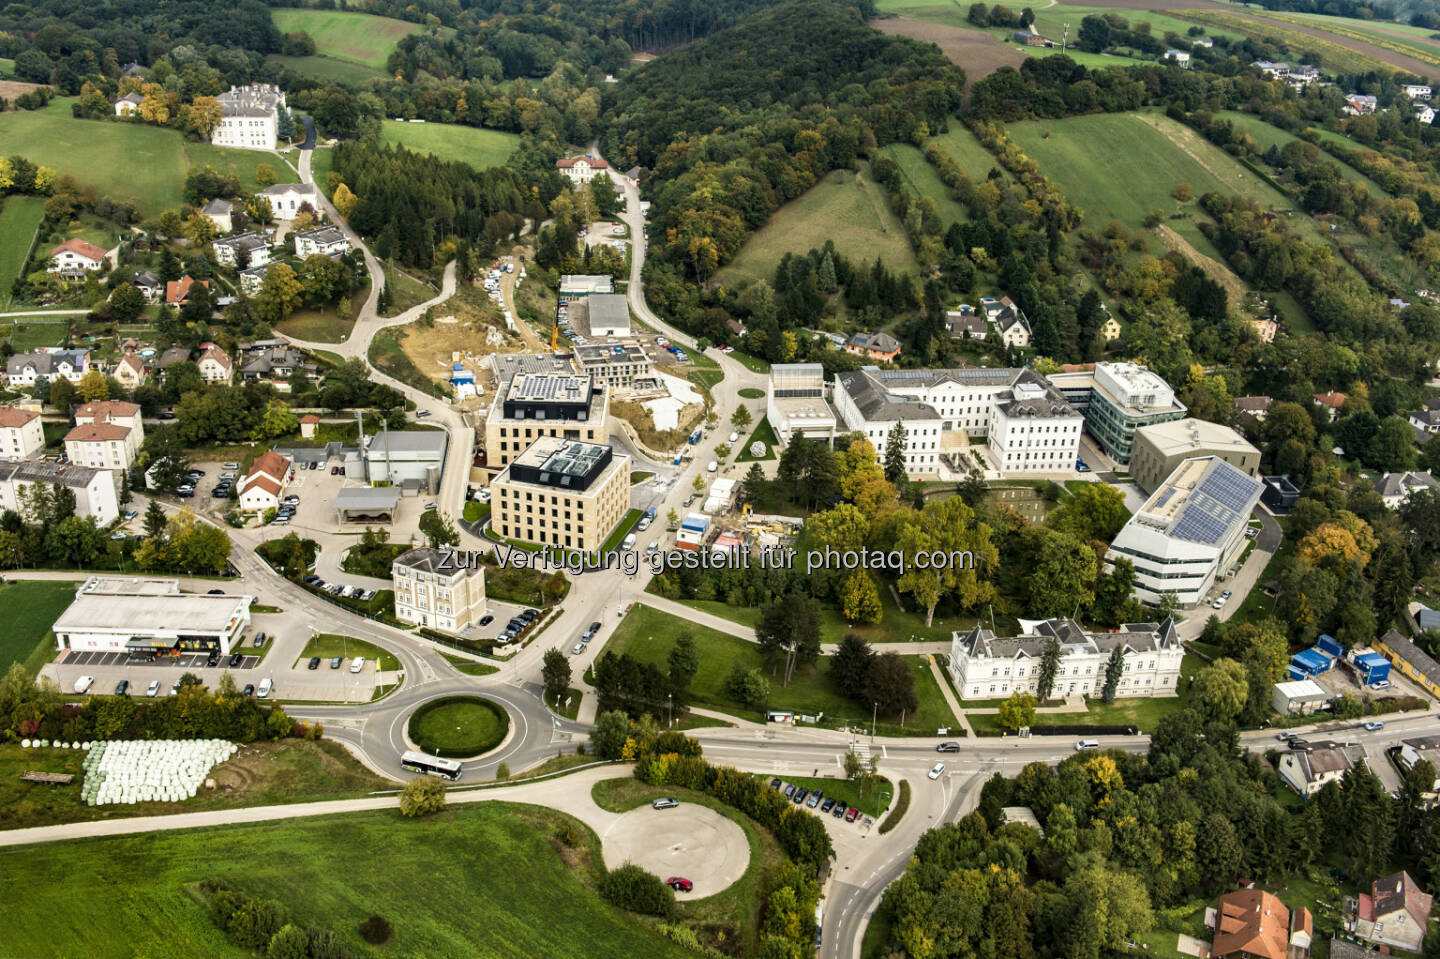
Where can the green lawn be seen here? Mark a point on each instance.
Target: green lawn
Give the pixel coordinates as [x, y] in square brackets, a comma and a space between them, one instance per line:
[469, 667]
[872, 802]
[763, 433]
[1123, 165]
[405, 290]
[328, 68]
[924, 180]
[960, 145]
[30, 607]
[356, 37]
[1267, 136]
[649, 634]
[329, 645]
[450, 141]
[483, 879]
[613, 541]
[458, 726]
[33, 332]
[20, 216]
[640, 476]
[750, 393]
[849, 208]
[261, 774]
[157, 159]
[316, 326]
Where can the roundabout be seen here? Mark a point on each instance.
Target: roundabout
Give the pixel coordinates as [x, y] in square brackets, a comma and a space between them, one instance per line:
[458, 727]
[692, 841]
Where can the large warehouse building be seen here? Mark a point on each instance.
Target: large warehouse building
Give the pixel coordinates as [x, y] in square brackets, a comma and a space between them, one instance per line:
[150, 616]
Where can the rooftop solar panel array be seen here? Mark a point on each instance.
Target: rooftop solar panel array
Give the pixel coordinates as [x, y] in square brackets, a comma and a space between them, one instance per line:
[1222, 497]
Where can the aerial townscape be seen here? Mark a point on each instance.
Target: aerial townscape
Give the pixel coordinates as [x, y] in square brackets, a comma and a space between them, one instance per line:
[762, 479]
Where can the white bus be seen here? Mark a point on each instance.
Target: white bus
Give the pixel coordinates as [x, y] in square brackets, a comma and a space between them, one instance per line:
[430, 765]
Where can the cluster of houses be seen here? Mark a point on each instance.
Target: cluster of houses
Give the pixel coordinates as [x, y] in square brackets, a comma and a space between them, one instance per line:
[1298, 75]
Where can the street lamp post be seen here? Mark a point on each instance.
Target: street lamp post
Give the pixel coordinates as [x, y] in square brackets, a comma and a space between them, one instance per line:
[874, 709]
[670, 708]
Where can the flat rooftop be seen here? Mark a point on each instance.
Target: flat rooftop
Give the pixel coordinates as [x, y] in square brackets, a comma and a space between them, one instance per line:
[1177, 436]
[549, 388]
[562, 464]
[603, 354]
[167, 614]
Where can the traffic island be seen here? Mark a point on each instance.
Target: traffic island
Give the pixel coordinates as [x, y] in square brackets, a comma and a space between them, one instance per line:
[458, 727]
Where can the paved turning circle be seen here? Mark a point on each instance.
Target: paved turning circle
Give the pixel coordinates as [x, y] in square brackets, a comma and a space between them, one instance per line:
[691, 841]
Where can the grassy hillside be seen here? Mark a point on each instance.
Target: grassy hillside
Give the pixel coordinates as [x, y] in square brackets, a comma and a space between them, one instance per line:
[1267, 136]
[1122, 166]
[356, 37]
[477, 880]
[126, 161]
[327, 68]
[472, 145]
[19, 216]
[922, 180]
[962, 147]
[846, 207]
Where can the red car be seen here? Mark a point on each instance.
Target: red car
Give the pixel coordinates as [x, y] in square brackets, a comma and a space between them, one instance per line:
[853, 814]
[679, 884]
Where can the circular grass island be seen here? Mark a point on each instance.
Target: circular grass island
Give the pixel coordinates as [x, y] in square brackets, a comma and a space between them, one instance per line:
[458, 727]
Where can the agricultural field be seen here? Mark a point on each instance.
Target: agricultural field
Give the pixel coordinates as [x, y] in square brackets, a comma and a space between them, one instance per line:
[1122, 166]
[434, 879]
[849, 208]
[974, 51]
[450, 141]
[328, 68]
[1267, 136]
[33, 605]
[960, 145]
[1337, 53]
[923, 180]
[354, 37]
[158, 158]
[19, 218]
[1394, 38]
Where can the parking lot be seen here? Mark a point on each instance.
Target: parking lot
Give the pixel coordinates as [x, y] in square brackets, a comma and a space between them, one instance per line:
[190, 661]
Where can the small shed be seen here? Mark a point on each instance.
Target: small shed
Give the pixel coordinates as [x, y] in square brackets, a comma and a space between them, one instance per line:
[1298, 698]
[361, 504]
[308, 422]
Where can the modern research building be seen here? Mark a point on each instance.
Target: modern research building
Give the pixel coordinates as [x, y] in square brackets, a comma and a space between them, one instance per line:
[150, 617]
[1116, 400]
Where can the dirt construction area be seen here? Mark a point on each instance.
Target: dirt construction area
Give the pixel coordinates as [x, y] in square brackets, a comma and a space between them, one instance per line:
[690, 841]
[978, 54]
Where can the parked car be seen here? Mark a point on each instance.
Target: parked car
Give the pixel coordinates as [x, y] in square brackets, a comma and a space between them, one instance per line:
[265, 686]
[249, 690]
[430, 506]
[421, 414]
[84, 683]
[853, 814]
[1283, 737]
[230, 466]
[840, 808]
[665, 803]
[814, 799]
[592, 629]
[679, 884]
[577, 649]
[357, 664]
[789, 790]
[799, 796]
[336, 661]
[153, 689]
[828, 805]
[213, 659]
[775, 783]
[530, 615]
[122, 688]
[131, 514]
[259, 640]
[948, 747]
[936, 771]
[1298, 743]
[1374, 725]
[314, 663]
[334, 471]
[291, 500]
[486, 620]
[313, 580]
[1081, 466]
[1382, 684]
[236, 659]
[164, 417]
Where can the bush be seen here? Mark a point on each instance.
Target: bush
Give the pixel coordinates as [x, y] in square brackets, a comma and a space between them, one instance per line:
[375, 930]
[422, 797]
[570, 834]
[471, 512]
[502, 771]
[632, 888]
[289, 943]
[897, 812]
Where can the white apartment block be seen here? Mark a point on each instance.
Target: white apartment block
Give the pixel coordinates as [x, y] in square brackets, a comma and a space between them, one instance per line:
[23, 369]
[325, 240]
[115, 413]
[1035, 431]
[95, 489]
[21, 435]
[986, 666]
[432, 590]
[250, 117]
[581, 170]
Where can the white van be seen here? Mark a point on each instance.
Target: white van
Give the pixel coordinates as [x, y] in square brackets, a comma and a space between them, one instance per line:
[712, 467]
[357, 664]
[84, 683]
[734, 437]
[628, 542]
[265, 686]
[1087, 744]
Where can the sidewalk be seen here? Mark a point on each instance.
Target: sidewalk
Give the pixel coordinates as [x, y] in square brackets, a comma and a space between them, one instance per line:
[950, 699]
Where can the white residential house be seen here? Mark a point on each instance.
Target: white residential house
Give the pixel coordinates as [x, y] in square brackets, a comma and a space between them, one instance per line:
[251, 278]
[74, 258]
[23, 369]
[107, 435]
[1424, 114]
[1009, 320]
[582, 169]
[1396, 488]
[1358, 105]
[1308, 770]
[216, 366]
[261, 488]
[129, 371]
[250, 117]
[250, 247]
[1416, 91]
[128, 104]
[95, 490]
[219, 212]
[1179, 57]
[21, 435]
[986, 666]
[325, 240]
[287, 198]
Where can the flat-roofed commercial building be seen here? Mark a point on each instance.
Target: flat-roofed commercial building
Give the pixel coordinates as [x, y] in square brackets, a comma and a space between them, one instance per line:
[615, 366]
[1116, 400]
[795, 402]
[432, 590]
[533, 405]
[1189, 530]
[572, 284]
[150, 616]
[562, 493]
[1161, 447]
[412, 459]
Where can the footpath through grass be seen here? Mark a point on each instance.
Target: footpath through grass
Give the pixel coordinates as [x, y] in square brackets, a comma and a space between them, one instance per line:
[649, 634]
[484, 879]
[261, 774]
[29, 608]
